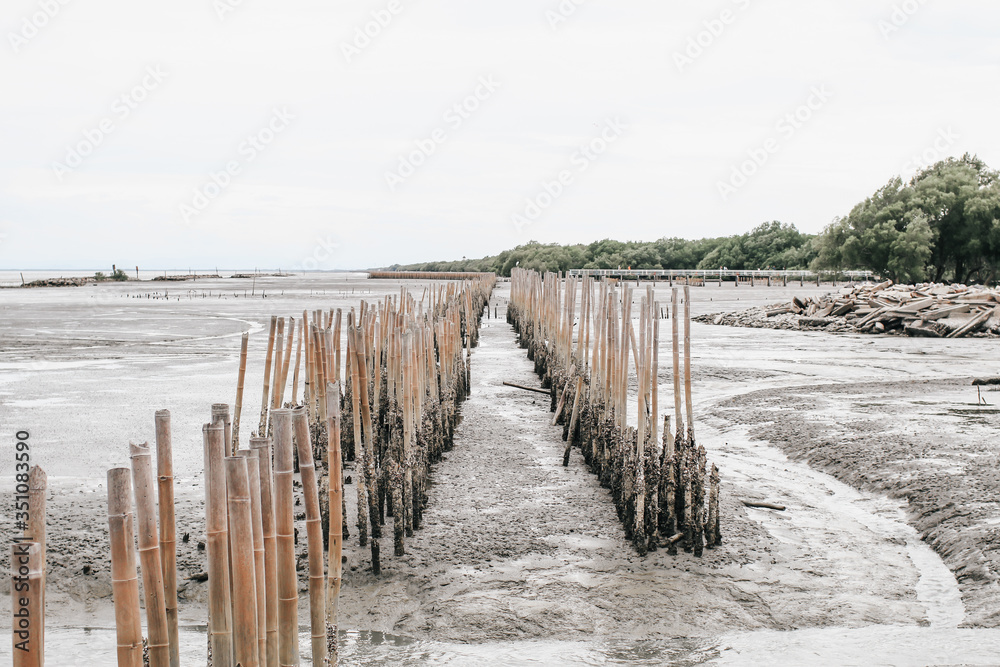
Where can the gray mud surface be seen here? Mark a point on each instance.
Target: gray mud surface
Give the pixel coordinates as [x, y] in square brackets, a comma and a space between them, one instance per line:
[513, 546]
[922, 442]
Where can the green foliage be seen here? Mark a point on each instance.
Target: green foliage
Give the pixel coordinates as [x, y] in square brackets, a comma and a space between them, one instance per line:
[943, 224]
[100, 276]
[770, 245]
[119, 275]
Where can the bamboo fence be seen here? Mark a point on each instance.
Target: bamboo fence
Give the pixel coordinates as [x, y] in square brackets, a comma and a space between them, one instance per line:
[658, 483]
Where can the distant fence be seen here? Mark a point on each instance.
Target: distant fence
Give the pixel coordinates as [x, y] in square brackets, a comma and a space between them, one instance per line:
[704, 276]
[427, 275]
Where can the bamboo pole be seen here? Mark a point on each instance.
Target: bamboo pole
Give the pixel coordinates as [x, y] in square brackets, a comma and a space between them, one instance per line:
[235, 444]
[124, 578]
[168, 529]
[314, 536]
[263, 448]
[360, 485]
[687, 364]
[158, 644]
[38, 483]
[217, 538]
[26, 597]
[262, 427]
[675, 343]
[336, 486]
[288, 591]
[278, 363]
[260, 577]
[286, 359]
[298, 361]
[245, 637]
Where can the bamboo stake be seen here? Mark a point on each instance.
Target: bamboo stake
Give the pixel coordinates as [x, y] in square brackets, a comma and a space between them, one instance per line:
[687, 363]
[217, 538]
[360, 485]
[286, 359]
[298, 360]
[334, 564]
[149, 556]
[26, 601]
[168, 529]
[675, 343]
[124, 578]
[245, 638]
[314, 535]
[288, 595]
[278, 352]
[38, 483]
[262, 427]
[263, 448]
[235, 444]
[260, 577]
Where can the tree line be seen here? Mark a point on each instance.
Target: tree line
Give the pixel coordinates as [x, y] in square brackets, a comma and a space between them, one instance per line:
[944, 224]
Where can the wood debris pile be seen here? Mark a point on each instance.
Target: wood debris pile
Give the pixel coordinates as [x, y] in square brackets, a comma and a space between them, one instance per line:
[928, 310]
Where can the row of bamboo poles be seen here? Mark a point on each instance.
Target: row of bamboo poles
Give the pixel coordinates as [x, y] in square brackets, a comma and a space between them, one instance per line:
[406, 368]
[588, 347]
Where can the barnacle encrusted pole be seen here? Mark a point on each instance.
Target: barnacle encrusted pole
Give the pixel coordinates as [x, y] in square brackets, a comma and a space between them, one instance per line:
[658, 485]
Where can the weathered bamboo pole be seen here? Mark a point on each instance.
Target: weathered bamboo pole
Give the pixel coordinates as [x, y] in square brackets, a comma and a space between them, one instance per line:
[38, 484]
[260, 577]
[262, 426]
[573, 420]
[687, 364]
[675, 343]
[336, 490]
[217, 538]
[168, 529]
[235, 444]
[124, 578]
[360, 485]
[279, 349]
[298, 361]
[245, 638]
[158, 644]
[26, 596]
[314, 536]
[288, 590]
[263, 448]
[286, 360]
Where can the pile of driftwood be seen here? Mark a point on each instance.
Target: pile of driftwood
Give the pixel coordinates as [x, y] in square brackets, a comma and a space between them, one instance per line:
[928, 310]
[664, 491]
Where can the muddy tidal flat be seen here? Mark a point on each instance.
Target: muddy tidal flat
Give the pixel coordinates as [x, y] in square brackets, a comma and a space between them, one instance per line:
[882, 451]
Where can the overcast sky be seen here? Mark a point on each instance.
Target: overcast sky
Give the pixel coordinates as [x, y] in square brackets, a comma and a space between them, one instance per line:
[243, 133]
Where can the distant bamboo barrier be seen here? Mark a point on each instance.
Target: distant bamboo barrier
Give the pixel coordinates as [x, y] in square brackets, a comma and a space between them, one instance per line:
[659, 486]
